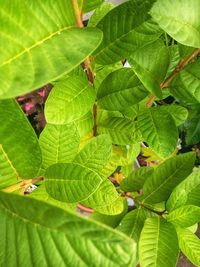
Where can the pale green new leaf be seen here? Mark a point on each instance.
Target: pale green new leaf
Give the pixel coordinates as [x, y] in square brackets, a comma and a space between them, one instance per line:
[154, 124]
[20, 155]
[96, 153]
[180, 19]
[120, 89]
[184, 216]
[104, 199]
[186, 193]
[69, 100]
[34, 233]
[136, 179]
[133, 222]
[186, 84]
[189, 244]
[126, 28]
[158, 245]
[166, 176]
[121, 130]
[59, 143]
[71, 182]
[178, 113]
[39, 44]
[150, 64]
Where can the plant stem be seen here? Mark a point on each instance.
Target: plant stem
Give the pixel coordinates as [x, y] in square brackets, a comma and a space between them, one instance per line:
[87, 62]
[77, 14]
[180, 66]
[23, 184]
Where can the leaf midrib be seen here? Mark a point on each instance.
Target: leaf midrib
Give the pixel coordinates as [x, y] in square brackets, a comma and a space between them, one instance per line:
[10, 163]
[37, 44]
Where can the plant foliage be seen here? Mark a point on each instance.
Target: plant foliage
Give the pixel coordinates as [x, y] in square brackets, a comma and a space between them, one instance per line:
[99, 116]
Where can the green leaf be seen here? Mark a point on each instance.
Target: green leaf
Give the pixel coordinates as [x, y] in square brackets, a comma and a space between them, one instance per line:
[85, 124]
[20, 155]
[133, 222]
[70, 182]
[36, 55]
[103, 71]
[105, 199]
[150, 64]
[186, 84]
[166, 176]
[120, 130]
[120, 89]
[184, 216]
[189, 245]
[178, 113]
[180, 19]
[110, 220]
[154, 124]
[99, 13]
[136, 179]
[186, 193]
[192, 127]
[49, 236]
[95, 154]
[158, 245]
[41, 194]
[126, 28]
[91, 5]
[69, 100]
[59, 143]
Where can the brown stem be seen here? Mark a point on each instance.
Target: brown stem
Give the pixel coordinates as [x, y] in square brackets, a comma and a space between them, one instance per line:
[180, 66]
[77, 14]
[87, 61]
[23, 184]
[83, 208]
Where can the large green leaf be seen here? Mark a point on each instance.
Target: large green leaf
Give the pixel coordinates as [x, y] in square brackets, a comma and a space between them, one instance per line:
[150, 64]
[189, 244]
[70, 182]
[20, 155]
[166, 176]
[158, 245]
[120, 89]
[49, 236]
[178, 113]
[126, 28]
[180, 19]
[154, 126]
[184, 216]
[105, 199]
[96, 153]
[136, 179]
[41, 44]
[186, 84]
[59, 143]
[186, 193]
[69, 100]
[121, 130]
[133, 222]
